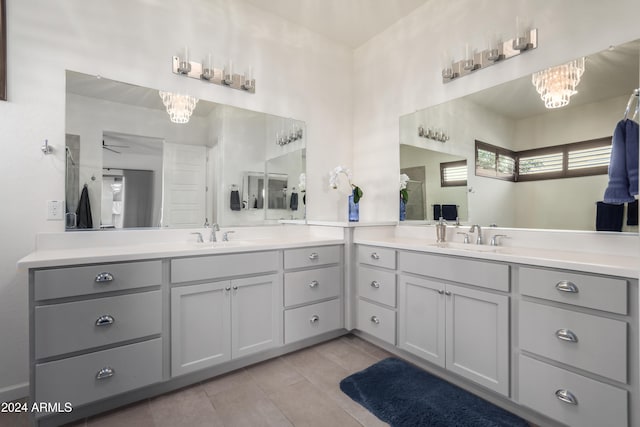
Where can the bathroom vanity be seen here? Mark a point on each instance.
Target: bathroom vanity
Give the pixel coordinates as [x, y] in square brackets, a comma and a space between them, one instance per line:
[549, 335]
[107, 328]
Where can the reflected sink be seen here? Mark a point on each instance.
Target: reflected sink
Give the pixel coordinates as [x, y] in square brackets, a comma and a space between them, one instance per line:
[466, 247]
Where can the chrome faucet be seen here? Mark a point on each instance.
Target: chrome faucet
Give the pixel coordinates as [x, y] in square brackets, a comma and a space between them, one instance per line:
[198, 237]
[214, 227]
[494, 240]
[479, 236]
[225, 235]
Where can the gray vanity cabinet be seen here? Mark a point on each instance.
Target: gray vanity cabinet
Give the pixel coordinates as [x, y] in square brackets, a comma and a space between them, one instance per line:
[461, 329]
[90, 340]
[217, 321]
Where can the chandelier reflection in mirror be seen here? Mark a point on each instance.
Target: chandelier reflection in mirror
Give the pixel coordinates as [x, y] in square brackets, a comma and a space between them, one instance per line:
[557, 84]
[179, 107]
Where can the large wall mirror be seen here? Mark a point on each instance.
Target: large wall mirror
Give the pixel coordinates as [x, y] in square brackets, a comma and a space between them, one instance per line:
[129, 166]
[513, 116]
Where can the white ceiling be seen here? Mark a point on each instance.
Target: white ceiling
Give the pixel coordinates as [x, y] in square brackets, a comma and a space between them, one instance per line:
[348, 22]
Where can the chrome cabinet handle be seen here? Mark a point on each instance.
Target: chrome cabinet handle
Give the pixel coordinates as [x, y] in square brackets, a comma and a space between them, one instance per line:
[105, 372]
[228, 288]
[235, 287]
[375, 284]
[447, 292]
[104, 277]
[441, 291]
[567, 286]
[313, 284]
[314, 319]
[375, 320]
[314, 255]
[566, 335]
[566, 396]
[105, 320]
[375, 255]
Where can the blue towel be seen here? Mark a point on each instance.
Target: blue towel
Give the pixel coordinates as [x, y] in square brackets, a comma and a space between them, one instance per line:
[449, 212]
[609, 217]
[623, 166]
[437, 212]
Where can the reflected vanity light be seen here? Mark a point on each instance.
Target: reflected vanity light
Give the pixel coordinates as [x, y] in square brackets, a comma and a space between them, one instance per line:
[474, 60]
[436, 135]
[207, 72]
[283, 137]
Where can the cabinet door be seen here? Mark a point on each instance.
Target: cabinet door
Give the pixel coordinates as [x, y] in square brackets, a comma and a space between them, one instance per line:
[256, 314]
[200, 326]
[478, 336]
[421, 313]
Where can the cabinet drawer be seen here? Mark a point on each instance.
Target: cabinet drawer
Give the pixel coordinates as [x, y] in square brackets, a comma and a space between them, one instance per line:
[478, 273]
[219, 266]
[381, 257]
[63, 328]
[72, 281]
[311, 257]
[377, 285]
[311, 320]
[306, 286]
[600, 344]
[377, 321]
[601, 293]
[75, 379]
[596, 404]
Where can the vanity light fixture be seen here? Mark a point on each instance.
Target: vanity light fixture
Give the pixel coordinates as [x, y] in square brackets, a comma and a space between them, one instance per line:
[207, 72]
[283, 137]
[179, 107]
[557, 84]
[436, 135]
[474, 60]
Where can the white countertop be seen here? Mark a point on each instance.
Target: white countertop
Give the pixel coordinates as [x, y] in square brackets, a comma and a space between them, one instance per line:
[91, 255]
[614, 265]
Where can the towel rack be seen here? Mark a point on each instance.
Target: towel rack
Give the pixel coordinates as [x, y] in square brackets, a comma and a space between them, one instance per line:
[634, 96]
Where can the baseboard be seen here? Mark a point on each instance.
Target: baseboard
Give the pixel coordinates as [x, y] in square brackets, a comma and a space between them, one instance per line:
[17, 391]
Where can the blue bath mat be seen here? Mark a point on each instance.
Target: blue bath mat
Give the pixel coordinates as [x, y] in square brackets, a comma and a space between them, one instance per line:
[403, 395]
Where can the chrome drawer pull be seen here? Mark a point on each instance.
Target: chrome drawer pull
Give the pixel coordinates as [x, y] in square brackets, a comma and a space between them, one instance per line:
[375, 320]
[314, 255]
[447, 292]
[566, 335]
[104, 277]
[314, 284]
[314, 319]
[105, 372]
[227, 288]
[105, 320]
[567, 286]
[441, 291]
[375, 284]
[375, 255]
[566, 396]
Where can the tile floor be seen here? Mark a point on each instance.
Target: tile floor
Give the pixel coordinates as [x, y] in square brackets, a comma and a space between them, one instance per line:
[298, 389]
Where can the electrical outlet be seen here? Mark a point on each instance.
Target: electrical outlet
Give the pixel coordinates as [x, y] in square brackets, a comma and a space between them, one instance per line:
[55, 210]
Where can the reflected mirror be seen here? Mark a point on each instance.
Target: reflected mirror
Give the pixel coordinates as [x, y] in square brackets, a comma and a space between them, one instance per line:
[128, 165]
[512, 116]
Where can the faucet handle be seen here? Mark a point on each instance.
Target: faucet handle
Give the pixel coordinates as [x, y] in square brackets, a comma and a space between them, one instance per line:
[494, 240]
[199, 237]
[225, 235]
[466, 237]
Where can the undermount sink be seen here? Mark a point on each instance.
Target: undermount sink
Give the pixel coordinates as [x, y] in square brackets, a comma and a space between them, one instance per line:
[220, 245]
[466, 247]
